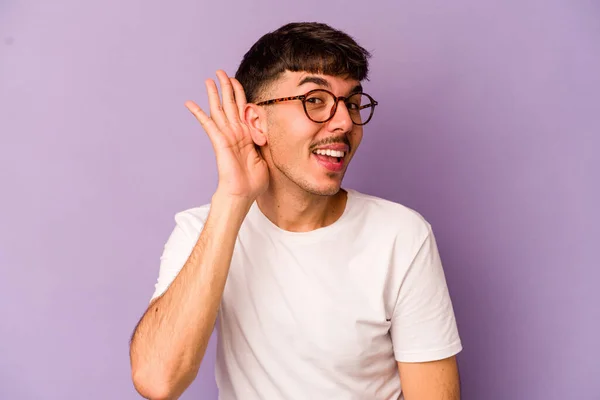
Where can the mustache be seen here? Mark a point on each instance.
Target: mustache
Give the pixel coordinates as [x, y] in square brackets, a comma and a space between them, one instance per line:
[334, 140]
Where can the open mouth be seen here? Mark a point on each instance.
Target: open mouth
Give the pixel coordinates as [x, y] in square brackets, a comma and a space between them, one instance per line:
[332, 160]
[330, 155]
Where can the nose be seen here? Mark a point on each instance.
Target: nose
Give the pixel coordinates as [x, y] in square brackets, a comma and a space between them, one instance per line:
[341, 118]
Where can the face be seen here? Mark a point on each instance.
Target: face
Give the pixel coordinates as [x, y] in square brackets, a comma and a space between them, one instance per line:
[313, 156]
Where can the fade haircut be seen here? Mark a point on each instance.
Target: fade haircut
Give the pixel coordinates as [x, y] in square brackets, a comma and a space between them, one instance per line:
[301, 46]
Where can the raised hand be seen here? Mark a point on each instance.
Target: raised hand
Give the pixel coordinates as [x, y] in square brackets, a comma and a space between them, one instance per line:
[243, 173]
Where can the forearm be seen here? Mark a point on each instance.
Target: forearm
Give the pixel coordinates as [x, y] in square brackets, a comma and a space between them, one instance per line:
[171, 338]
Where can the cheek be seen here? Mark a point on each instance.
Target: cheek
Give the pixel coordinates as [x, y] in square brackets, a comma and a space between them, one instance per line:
[291, 139]
[356, 138]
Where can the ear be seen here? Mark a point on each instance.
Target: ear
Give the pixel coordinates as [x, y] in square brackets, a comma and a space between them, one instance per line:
[255, 117]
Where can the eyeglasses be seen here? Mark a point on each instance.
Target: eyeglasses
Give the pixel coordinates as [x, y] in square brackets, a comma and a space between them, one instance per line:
[320, 105]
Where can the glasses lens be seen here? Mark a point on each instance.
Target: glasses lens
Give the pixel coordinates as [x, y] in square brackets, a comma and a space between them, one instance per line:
[360, 108]
[319, 105]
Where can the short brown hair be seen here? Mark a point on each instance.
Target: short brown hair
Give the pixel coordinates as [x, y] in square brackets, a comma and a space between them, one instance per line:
[301, 46]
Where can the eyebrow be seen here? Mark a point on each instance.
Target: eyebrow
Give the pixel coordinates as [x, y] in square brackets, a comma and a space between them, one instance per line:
[357, 88]
[323, 82]
[316, 80]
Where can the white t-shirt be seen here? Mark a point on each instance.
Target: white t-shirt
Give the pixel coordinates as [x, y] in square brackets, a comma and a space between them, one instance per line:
[325, 314]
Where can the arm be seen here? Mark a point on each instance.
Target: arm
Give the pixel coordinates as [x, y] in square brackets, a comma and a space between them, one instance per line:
[424, 329]
[167, 347]
[434, 380]
[169, 342]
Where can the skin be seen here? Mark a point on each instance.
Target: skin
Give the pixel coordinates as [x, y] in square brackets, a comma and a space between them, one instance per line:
[435, 380]
[291, 189]
[302, 195]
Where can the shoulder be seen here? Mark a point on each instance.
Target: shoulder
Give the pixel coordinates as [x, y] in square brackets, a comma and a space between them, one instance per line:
[391, 216]
[192, 220]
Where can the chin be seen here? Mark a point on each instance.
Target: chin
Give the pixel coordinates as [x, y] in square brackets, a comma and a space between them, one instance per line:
[328, 192]
[323, 189]
[314, 182]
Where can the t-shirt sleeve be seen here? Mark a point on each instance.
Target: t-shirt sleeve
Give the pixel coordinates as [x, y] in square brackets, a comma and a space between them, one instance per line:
[177, 250]
[423, 324]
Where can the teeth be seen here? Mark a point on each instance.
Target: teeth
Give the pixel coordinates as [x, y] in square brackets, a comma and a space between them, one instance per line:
[330, 153]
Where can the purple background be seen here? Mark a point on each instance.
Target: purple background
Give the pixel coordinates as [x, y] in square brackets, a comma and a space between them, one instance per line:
[488, 125]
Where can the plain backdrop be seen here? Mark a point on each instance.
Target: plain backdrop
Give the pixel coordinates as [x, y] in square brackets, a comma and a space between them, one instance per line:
[488, 125]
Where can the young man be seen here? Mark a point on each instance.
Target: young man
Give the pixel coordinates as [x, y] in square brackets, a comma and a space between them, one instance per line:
[319, 292]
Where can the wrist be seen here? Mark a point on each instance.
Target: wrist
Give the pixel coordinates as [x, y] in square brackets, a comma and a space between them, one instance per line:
[232, 208]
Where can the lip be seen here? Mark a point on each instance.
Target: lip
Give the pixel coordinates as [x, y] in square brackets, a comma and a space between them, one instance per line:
[330, 166]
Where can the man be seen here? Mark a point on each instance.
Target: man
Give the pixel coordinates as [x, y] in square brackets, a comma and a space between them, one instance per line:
[319, 292]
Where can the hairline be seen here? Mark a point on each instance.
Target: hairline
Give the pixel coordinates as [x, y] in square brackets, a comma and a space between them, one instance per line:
[269, 86]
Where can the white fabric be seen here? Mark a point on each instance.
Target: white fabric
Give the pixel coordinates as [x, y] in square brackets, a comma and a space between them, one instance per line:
[325, 314]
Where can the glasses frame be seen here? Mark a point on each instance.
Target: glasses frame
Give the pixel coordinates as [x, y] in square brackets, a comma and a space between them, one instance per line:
[304, 97]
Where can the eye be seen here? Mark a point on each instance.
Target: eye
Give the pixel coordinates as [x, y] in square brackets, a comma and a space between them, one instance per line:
[355, 102]
[352, 106]
[314, 100]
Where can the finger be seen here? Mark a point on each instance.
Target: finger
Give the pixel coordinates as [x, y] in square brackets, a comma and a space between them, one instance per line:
[240, 96]
[208, 124]
[229, 105]
[214, 103]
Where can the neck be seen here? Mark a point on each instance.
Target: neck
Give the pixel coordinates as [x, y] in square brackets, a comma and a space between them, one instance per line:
[300, 211]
